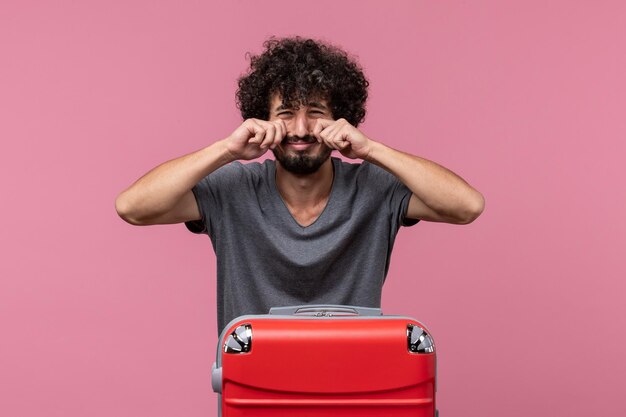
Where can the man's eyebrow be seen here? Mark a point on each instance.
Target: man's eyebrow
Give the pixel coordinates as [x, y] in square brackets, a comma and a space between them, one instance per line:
[318, 105]
[311, 104]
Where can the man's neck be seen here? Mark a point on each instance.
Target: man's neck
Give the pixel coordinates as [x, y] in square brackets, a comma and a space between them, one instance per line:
[304, 191]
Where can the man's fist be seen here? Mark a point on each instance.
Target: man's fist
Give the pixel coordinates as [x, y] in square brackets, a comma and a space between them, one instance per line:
[341, 135]
[254, 137]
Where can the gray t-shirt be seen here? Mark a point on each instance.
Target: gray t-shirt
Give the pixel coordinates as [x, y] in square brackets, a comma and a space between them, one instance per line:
[266, 259]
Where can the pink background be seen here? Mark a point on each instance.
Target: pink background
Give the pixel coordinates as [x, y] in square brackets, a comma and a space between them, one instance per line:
[525, 99]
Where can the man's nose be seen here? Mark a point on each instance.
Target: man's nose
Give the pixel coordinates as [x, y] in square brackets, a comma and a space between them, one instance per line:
[301, 126]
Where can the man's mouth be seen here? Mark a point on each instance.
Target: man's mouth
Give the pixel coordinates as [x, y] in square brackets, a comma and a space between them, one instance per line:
[289, 140]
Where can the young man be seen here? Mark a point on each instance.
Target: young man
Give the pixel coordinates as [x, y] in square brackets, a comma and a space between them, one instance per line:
[305, 228]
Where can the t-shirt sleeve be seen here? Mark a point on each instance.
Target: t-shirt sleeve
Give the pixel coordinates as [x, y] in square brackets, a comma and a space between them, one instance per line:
[397, 194]
[403, 194]
[399, 199]
[210, 194]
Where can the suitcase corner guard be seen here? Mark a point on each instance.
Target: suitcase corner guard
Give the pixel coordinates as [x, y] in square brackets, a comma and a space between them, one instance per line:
[216, 378]
[419, 340]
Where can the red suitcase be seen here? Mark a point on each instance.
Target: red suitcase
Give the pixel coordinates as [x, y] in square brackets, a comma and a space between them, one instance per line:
[313, 361]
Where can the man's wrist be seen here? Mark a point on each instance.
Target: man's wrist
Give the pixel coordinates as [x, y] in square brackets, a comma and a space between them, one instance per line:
[225, 155]
[374, 152]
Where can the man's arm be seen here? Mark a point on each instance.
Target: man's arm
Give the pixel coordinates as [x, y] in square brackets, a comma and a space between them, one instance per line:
[438, 194]
[164, 195]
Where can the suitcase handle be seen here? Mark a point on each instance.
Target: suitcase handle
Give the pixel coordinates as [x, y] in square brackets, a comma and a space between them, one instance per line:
[325, 310]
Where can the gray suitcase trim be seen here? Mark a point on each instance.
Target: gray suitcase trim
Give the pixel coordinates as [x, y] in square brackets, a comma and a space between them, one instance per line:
[326, 310]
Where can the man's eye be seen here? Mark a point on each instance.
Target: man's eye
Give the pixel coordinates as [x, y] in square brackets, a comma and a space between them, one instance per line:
[285, 113]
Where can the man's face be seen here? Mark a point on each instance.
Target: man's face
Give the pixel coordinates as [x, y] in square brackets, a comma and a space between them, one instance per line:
[299, 152]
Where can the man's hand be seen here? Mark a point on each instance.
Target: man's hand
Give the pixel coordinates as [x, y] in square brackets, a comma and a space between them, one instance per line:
[254, 137]
[341, 135]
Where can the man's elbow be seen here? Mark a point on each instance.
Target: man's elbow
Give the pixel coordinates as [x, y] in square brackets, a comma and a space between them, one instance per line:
[473, 209]
[125, 211]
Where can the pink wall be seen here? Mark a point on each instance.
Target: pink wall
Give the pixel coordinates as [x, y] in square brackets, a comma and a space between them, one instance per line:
[524, 99]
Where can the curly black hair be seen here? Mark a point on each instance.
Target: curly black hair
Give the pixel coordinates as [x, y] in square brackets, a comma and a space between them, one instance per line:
[301, 69]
